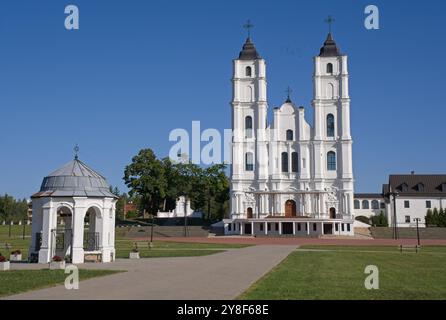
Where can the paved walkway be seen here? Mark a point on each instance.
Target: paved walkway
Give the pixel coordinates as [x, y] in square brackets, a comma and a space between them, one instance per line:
[219, 276]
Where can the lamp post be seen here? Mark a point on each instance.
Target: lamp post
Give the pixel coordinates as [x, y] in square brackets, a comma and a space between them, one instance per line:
[418, 230]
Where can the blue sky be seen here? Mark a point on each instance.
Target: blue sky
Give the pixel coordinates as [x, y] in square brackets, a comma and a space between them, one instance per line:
[135, 70]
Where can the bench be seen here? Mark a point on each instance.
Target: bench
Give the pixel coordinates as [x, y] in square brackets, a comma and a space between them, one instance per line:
[407, 247]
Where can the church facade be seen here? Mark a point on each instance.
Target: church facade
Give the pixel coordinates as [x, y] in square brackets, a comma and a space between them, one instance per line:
[289, 176]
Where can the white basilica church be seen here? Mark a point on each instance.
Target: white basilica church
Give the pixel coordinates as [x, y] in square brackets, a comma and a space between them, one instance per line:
[287, 176]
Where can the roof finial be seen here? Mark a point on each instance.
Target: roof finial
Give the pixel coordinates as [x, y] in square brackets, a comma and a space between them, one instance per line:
[76, 152]
[330, 21]
[288, 92]
[248, 26]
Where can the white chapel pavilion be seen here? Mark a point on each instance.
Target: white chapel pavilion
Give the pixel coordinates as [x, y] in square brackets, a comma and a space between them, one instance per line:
[73, 216]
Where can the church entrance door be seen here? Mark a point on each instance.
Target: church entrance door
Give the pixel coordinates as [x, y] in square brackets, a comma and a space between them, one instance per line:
[332, 213]
[290, 208]
[249, 213]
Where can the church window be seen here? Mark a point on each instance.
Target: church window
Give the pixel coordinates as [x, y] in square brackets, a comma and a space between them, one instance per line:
[331, 161]
[406, 204]
[428, 204]
[407, 219]
[330, 125]
[357, 204]
[248, 72]
[375, 204]
[329, 68]
[289, 135]
[284, 162]
[249, 161]
[365, 204]
[248, 127]
[348, 227]
[294, 162]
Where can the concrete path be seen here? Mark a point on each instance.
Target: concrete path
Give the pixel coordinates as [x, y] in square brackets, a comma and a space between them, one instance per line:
[219, 276]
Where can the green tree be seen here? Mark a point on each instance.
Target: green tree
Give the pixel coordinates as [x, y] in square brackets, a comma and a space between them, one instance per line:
[429, 218]
[435, 217]
[442, 218]
[145, 177]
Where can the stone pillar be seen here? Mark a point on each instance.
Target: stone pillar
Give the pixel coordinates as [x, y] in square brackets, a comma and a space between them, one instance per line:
[78, 233]
[266, 228]
[252, 229]
[241, 228]
[45, 253]
[308, 228]
[294, 228]
[280, 228]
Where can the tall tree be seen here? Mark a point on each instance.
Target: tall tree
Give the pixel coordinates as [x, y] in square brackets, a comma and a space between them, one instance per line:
[145, 177]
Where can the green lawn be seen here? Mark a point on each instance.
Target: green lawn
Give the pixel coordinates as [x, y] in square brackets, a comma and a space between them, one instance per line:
[170, 249]
[338, 273]
[17, 281]
[16, 240]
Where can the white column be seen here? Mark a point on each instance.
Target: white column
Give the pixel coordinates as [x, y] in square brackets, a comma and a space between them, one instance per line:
[252, 228]
[294, 228]
[280, 228]
[266, 228]
[45, 253]
[308, 228]
[241, 228]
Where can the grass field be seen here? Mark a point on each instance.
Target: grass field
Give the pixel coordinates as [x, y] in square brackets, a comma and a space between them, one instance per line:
[337, 273]
[123, 246]
[17, 281]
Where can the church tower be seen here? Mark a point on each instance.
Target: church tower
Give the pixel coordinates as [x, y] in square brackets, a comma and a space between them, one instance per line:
[332, 140]
[249, 120]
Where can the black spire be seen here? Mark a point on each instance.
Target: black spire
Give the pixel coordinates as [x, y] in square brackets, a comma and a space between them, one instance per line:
[249, 51]
[329, 49]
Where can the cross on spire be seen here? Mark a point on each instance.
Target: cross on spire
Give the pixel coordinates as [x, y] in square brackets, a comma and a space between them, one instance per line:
[329, 21]
[76, 151]
[288, 92]
[248, 26]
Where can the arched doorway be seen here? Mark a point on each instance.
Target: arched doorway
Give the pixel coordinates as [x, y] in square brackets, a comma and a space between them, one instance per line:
[249, 213]
[290, 208]
[332, 213]
[62, 233]
[91, 232]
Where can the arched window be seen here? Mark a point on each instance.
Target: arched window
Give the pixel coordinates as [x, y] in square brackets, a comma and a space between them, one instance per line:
[248, 71]
[365, 204]
[375, 204]
[249, 161]
[330, 125]
[331, 161]
[284, 162]
[294, 162]
[329, 68]
[248, 127]
[357, 204]
[289, 135]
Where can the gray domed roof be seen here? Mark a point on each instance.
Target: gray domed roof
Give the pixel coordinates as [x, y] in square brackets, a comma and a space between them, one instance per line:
[75, 179]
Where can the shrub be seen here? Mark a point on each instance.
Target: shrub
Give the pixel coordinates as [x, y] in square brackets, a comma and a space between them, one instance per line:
[57, 259]
[16, 252]
[363, 219]
[2, 258]
[380, 220]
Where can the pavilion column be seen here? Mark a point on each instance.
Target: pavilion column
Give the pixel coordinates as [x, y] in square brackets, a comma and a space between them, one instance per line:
[78, 233]
[45, 253]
